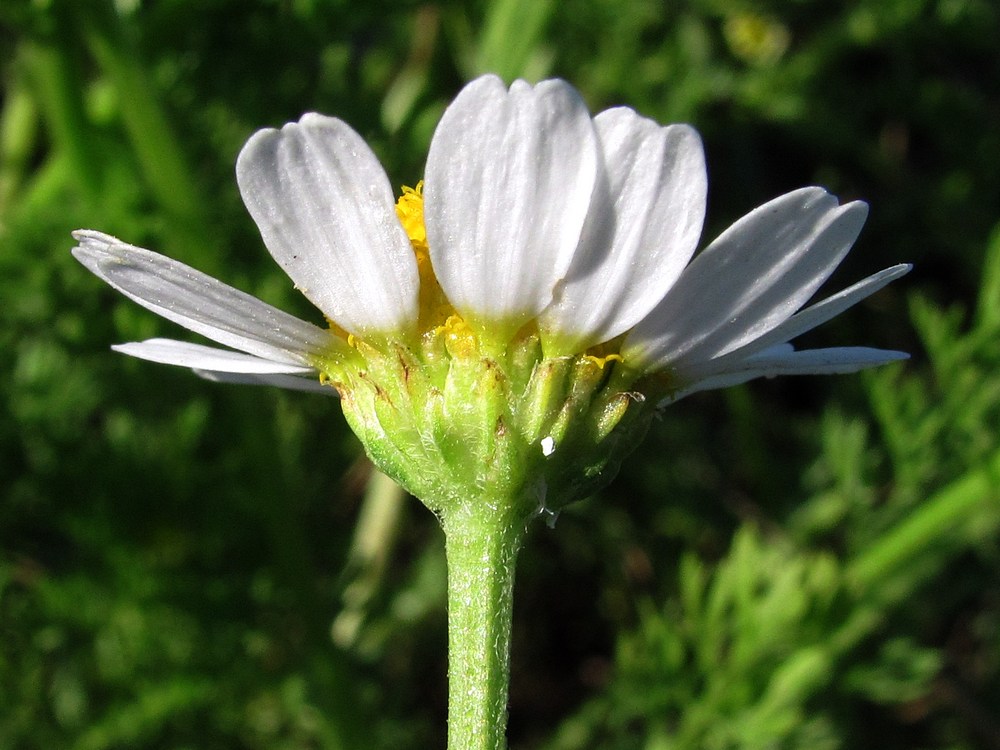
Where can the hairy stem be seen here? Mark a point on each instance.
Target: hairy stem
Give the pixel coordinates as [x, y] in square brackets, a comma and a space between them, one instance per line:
[482, 547]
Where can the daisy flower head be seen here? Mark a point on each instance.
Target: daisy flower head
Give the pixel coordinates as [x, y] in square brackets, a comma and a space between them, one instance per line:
[508, 326]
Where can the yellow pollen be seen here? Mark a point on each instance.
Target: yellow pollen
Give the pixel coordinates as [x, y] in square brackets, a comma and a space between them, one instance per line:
[338, 331]
[601, 361]
[458, 337]
[434, 306]
[410, 210]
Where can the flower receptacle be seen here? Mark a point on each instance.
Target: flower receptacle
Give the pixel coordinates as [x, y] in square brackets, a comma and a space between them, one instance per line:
[454, 425]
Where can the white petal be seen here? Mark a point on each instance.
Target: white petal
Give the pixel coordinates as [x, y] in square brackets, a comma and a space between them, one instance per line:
[839, 360]
[288, 382]
[752, 278]
[326, 211]
[626, 263]
[509, 178]
[815, 315]
[196, 356]
[783, 360]
[200, 303]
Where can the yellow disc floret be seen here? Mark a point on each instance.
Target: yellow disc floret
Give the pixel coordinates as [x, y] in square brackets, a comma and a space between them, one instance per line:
[434, 306]
[601, 361]
[410, 210]
[458, 337]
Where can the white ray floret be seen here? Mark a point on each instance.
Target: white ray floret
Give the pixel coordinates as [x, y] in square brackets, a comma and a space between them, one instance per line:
[325, 209]
[634, 247]
[755, 276]
[784, 359]
[200, 303]
[510, 174]
[198, 357]
[801, 322]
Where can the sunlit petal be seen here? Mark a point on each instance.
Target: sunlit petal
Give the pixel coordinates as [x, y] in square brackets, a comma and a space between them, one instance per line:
[325, 209]
[196, 356]
[507, 188]
[200, 303]
[784, 360]
[752, 278]
[814, 315]
[626, 262]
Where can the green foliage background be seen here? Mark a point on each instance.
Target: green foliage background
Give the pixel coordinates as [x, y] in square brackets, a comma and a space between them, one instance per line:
[792, 564]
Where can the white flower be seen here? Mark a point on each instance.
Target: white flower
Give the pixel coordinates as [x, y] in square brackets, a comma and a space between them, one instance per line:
[539, 218]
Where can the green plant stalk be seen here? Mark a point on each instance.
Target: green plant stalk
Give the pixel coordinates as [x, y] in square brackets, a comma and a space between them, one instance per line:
[513, 31]
[937, 517]
[481, 544]
[375, 537]
[872, 571]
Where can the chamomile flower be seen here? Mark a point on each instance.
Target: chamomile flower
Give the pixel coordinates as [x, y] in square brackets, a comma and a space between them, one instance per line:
[528, 305]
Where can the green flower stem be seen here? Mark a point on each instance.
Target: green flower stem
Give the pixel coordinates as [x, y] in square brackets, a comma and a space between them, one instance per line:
[482, 544]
